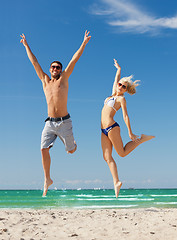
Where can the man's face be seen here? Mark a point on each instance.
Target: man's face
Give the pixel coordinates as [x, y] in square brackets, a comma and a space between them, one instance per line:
[55, 70]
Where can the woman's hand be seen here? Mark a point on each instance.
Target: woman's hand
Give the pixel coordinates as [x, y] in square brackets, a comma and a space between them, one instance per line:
[134, 137]
[116, 64]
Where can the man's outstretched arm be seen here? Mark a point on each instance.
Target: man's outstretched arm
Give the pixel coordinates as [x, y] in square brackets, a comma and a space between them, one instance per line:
[33, 59]
[77, 55]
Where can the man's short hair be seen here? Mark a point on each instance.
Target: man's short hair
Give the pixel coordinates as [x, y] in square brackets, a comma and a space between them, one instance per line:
[58, 63]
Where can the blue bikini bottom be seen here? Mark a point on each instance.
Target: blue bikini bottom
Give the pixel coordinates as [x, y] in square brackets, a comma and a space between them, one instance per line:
[106, 130]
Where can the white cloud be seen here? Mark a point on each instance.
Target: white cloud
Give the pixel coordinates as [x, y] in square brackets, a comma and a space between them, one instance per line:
[129, 17]
[75, 182]
[93, 181]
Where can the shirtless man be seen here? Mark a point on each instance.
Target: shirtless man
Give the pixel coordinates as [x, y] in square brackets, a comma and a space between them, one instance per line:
[58, 122]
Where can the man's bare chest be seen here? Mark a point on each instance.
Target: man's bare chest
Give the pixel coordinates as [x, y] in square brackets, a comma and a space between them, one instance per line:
[56, 89]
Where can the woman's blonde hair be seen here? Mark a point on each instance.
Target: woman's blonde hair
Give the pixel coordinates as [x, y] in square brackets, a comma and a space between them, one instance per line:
[131, 86]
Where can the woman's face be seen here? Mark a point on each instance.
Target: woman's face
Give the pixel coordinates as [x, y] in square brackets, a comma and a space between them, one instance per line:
[122, 87]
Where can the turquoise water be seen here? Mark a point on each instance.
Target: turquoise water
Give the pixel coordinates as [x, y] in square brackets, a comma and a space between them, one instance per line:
[85, 198]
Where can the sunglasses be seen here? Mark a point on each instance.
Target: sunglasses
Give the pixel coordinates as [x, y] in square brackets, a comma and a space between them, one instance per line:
[57, 67]
[121, 85]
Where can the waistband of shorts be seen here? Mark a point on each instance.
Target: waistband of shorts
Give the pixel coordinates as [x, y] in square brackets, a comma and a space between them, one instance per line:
[58, 119]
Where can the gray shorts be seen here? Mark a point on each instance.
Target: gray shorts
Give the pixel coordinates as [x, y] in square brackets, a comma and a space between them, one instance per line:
[61, 129]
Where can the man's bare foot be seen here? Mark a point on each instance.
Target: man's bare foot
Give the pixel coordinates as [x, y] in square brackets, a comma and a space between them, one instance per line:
[72, 151]
[47, 184]
[145, 137]
[117, 187]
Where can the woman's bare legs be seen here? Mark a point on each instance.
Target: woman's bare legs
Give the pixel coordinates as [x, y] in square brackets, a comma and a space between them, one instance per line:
[107, 155]
[116, 140]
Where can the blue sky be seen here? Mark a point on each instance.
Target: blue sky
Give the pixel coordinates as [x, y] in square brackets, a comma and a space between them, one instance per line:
[141, 35]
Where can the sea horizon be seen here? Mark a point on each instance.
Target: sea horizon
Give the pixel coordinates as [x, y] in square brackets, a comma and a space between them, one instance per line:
[94, 188]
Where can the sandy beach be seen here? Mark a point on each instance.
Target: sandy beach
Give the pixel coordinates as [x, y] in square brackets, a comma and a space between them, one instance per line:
[152, 223]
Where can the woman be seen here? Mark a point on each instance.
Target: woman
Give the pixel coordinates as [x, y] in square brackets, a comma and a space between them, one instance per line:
[110, 136]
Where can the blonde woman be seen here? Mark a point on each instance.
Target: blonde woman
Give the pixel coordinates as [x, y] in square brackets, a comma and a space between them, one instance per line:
[110, 136]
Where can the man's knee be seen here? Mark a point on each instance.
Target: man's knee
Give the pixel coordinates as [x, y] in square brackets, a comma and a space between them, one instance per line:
[44, 150]
[72, 151]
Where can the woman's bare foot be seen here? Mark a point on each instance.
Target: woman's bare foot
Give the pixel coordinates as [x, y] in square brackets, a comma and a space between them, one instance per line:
[145, 138]
[117, 187]
[47, 184]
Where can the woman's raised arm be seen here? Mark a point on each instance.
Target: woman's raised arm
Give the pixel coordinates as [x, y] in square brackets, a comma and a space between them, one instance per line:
[117, 77]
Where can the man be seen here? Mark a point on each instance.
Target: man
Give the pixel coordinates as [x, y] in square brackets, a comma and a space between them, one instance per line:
[58, 122]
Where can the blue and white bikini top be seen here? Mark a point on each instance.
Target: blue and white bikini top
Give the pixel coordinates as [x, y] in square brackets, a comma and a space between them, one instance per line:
[110, 102]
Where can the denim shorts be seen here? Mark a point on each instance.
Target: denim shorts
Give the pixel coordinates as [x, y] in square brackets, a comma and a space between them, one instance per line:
[61, 129]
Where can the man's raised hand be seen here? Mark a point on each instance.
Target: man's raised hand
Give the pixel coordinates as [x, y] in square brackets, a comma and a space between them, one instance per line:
[87, 37]
[23, 39]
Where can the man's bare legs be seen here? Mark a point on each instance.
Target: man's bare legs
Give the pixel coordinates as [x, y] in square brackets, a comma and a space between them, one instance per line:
[107, 155]
[46, 161]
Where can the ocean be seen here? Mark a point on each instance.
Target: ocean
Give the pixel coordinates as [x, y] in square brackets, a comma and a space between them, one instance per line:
[89, 199]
